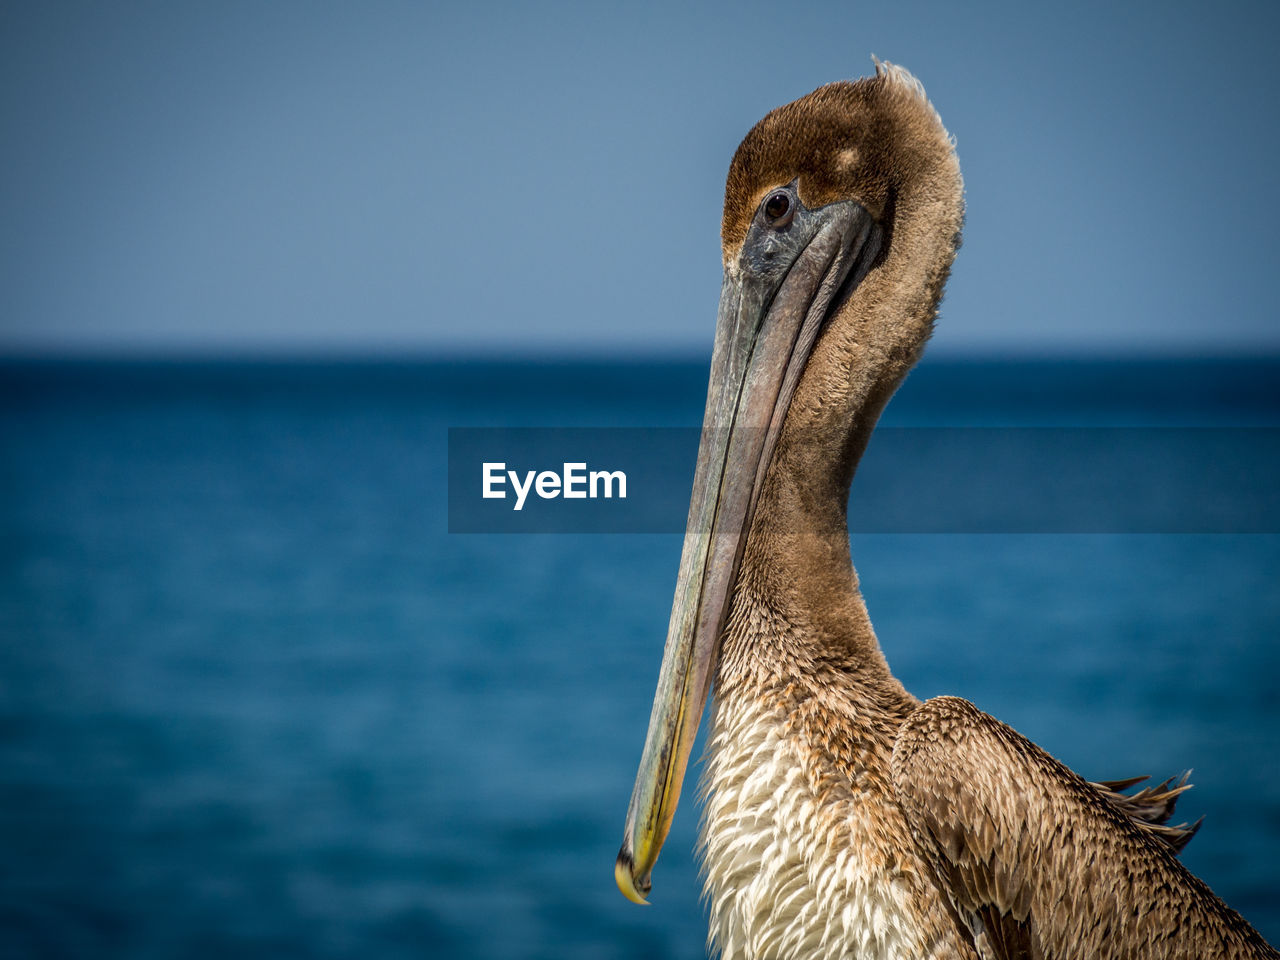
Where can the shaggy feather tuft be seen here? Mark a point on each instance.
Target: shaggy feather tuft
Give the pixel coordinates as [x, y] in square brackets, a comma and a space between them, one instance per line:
[1151, 807]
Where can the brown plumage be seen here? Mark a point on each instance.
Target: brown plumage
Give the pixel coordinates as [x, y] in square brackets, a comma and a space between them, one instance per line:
[1151, 807]
[1041, 863]
[842, 816]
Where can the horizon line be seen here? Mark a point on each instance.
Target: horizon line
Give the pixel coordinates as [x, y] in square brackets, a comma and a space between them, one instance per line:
[419, 355]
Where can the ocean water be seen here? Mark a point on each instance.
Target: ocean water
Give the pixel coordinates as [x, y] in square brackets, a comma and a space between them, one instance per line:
[256, 701]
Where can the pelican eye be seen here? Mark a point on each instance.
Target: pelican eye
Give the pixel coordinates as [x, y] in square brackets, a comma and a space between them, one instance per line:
[778, 209]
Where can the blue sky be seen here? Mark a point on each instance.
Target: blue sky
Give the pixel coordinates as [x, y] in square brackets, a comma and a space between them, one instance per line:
[397, 177]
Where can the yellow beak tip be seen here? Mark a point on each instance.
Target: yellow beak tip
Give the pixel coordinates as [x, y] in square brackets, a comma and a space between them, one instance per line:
[626, 882]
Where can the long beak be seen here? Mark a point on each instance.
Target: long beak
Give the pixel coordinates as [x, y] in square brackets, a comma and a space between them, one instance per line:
[773, 303]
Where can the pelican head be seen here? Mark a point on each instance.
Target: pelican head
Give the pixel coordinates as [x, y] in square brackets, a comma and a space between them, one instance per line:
[842, 215]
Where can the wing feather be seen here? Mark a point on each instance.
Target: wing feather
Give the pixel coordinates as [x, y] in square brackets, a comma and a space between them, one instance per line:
[1042, 864]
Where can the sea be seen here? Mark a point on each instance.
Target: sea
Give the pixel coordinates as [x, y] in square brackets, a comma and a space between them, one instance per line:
[257, 700]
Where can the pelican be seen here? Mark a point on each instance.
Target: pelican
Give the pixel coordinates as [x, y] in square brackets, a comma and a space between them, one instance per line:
[842, 816]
